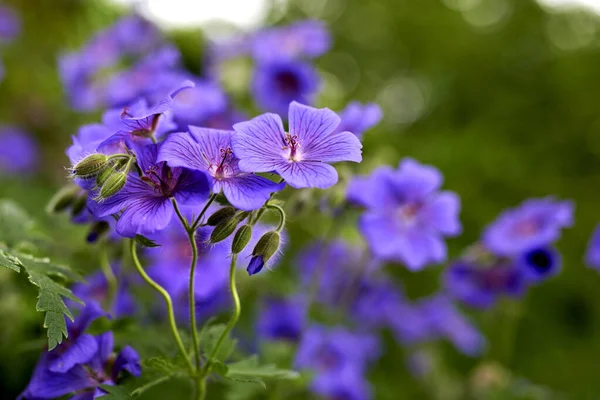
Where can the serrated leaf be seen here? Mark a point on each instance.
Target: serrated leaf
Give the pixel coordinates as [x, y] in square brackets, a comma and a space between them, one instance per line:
[115, 393]
[247, 379]
[209, 336]
[50, 293]
[145, 242]
[250, 367]
[15, 223]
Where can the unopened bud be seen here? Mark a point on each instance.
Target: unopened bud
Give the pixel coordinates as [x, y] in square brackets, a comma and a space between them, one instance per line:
[90, 166]
[241, 239]
[113, 185]
[78, 205]
[223, 230]
[220, 215]
[242, 215]
[267, 245]
[103, 176]
[63, 198]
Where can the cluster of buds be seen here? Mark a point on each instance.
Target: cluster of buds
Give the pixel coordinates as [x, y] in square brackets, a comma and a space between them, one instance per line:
[109, 172]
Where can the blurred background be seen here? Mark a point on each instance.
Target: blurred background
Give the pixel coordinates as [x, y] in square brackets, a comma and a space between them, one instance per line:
[500, 95]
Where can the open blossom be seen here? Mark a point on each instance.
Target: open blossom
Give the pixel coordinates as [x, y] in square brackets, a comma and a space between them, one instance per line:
[535, 223]
[406, 215]
[358, 118]
[302, 155]
[275, 84]
[209, 150]
[145, 200]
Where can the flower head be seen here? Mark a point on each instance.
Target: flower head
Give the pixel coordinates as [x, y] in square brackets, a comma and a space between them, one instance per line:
[535, 223]
[18, 151]
[145, 200]
[358, 118]
[539, 263]
[209, 151]
[276, 84]
[301, 156]
[407, 216]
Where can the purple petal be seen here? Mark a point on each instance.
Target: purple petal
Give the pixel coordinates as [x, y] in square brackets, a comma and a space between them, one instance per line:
[307, 174]
[258, 143]
[197, 150]
[379, 231]
[592, 256]
[375, 190]
[79, 352]
[415, 180]
[193, 188]
[442, 213]
[311, 125]
[247, 192]
[145, 215]
[418, 248]
[105, 346]
[91, 312]
[127, 360]
[88, 395]
[45, 384]
[256, 265]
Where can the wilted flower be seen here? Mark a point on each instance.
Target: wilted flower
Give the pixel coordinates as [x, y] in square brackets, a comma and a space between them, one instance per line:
[301, 156]
[406, 216]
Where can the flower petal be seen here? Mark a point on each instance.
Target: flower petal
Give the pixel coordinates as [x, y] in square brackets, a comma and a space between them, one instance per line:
[248, 192]
[79, 352]
[144, 215]
[307, 174]
[442, 213]
[374, 190]
[193, 187]
[127, 360]
[258, 143]
[311, 125]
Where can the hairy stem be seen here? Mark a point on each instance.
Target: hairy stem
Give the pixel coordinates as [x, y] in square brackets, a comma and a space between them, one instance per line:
[281, 215]
[168, 303]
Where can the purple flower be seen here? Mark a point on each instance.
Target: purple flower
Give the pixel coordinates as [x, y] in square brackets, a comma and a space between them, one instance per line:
[276, 84]
[480, 286]
[10, 24]
[145, 199]
[407, 216]
[348, 384]
[539, 263]
[209, 151]
[358, 118]
[308, 38]
[196, 105]
[19, 152]
[282, 319]
[535, 223]
[255, 265]
[96, 289]
[592, 256]
[301, 156]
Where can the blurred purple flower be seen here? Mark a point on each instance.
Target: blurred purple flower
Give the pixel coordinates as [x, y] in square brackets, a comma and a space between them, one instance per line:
[406, 216]
[539, 264]
[309, 38]
[282, 319]
[95, 288]
[209, 151]
[10, 24]
[592, 256]
[145, 200]
[276, 84]
[19, 152]
[358, 118]
[535, 223]
[302, 156]
[196, 105]
[347, 384]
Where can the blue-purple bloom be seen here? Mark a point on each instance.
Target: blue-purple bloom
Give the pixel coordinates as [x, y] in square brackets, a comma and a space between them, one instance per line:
[276, 84]
[535, 223]
[145, 200]
[282, 319]
[358, 118]
[10, 24]
[308, 38]
[80, 364]
[200, 103]
[19, 153]
[406, 215]
[209, 151]
[302, 156]
[95, 288]
[592, 255]
[539, 263]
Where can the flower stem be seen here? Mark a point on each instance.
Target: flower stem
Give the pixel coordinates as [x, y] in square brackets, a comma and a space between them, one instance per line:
[168, 303]
[281, 215]
[111, 279]
[234, 318]
[192, 296]
[199, 219]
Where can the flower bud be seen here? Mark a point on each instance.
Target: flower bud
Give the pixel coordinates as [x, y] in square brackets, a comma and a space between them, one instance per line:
[103, 176]
[266, 247]
[90, 166]
[63, 198]
[241, 239]
[113, 185]
[78, 205]
[220, 215]
[223, 230]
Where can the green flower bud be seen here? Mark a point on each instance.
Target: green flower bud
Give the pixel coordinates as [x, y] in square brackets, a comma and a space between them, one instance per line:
[103, 176]
[220, 215]
[242, 215]
[113, 185]
[223, 230]
[63, 199]
[267, 245]
[78, 205]
[241, 239]
[90, 166]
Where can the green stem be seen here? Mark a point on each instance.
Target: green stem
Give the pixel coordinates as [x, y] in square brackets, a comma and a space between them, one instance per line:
[199, 219]
[234, 318]
[281, 215]
[168, 303]
[192, 297]
[111, 279]
[183, 220]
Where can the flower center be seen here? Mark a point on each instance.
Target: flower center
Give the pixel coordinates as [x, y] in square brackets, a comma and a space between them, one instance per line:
[144, 127]
[291, 144]
[526, 228]
[163, 182]
[408, 213]
[287, 83]
[223, 169]
[539, 260]
[327, 358]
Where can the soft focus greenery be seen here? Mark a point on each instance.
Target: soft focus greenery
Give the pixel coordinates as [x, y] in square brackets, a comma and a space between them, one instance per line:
[500, 95]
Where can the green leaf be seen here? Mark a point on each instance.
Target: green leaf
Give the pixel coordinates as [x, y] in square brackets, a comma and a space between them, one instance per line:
[165, 366]
[219, 368]
[50, 293]
[250, 369]
[209, 336]
[145, 242]
[16, 224]
[115, 393]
